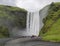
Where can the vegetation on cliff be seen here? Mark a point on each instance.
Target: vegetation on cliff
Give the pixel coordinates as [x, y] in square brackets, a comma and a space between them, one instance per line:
[51, 28]
[11, 17]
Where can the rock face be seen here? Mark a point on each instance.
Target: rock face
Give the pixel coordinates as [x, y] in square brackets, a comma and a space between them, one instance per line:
[11, 17]
[51, 28]
[43, 13]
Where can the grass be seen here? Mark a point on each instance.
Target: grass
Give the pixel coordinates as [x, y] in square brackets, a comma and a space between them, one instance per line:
[51, 28]
[51, 38]
[53, 34]
[11, 17]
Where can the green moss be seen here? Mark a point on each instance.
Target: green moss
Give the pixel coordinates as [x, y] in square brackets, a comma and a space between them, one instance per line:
[11, 17]
[52, 38]
[51, 28]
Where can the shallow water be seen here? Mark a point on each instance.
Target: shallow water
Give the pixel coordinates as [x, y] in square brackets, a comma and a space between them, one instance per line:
[30, 42]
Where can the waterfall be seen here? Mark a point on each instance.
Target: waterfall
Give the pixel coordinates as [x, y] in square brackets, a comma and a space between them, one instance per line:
[32, 24]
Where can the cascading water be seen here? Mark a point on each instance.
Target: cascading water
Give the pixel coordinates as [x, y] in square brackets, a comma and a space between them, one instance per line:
[33, 23]
[32, 17]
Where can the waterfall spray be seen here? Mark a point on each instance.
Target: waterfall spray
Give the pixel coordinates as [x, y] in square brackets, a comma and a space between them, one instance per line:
[33, 23]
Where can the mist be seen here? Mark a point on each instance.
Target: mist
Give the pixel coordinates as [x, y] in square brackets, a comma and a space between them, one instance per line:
[30, 5]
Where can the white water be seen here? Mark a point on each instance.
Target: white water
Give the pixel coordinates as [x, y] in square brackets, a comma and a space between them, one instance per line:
[31, 6]
[33, 24]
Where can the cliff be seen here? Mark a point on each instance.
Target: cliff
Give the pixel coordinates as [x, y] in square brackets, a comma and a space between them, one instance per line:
[51, 28]
[11, 17]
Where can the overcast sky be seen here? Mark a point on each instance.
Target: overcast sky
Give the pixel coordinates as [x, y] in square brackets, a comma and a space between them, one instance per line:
[30, 5]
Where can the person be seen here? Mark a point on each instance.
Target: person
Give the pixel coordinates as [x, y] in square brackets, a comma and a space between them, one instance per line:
[33, 36]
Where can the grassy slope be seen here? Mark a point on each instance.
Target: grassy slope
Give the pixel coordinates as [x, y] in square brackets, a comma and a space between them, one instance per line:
[11, 17]
[51, 28]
